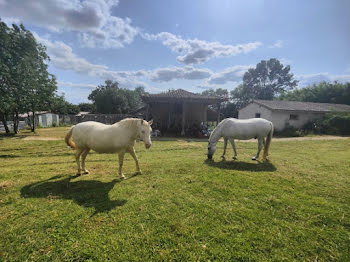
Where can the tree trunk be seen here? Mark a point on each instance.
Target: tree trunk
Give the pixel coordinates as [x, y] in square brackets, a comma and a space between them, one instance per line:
[4, 122]
[15, 122]
[29, 121]
[33, 122]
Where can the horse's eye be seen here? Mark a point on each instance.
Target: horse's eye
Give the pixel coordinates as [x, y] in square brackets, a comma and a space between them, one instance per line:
[208, 148]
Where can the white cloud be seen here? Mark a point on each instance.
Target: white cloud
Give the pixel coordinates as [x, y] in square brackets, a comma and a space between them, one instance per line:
[90, 19]
[197, 51]
[171, 73]
[63, 57]
[231, 74]
[80, 85]
[277, 44]
[310, 79]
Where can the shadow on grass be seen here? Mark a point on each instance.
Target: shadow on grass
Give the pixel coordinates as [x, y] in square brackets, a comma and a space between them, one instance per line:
[9, 156]
[86, 193]
[255, 166]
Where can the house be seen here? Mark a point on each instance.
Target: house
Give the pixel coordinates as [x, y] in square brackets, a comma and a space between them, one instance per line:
[43, 118]
[178, 111]
[288, 113]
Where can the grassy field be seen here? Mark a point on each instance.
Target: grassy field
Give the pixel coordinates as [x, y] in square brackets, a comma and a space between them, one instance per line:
[183, 207]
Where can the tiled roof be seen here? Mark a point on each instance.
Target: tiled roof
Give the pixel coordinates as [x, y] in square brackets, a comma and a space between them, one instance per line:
[302, 106]
[180, 94]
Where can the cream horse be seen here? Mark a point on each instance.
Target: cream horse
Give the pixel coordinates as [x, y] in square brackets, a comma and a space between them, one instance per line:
[232, 128]
[117, 138]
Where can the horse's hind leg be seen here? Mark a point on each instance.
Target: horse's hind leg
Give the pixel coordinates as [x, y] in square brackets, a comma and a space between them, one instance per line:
[225, 146]
[77, 159]
[134, 156]
[232, 141]
[121, 160]
[260, 145]
[83, 157]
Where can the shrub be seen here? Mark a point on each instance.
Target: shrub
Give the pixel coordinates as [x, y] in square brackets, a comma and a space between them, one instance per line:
[331, 124]
[289, 131]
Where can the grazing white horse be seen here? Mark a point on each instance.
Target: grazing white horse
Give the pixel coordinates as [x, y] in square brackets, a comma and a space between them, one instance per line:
[232, 128]
[117, 138]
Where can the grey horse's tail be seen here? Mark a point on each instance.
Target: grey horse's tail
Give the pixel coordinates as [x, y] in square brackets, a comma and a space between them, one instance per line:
[267, 143]
[69, 140]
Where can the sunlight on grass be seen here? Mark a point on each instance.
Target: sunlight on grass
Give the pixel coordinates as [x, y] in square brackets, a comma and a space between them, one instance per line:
[183, 207]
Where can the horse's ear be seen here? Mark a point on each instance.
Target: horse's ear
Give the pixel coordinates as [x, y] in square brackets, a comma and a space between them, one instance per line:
[150, 122]
[141, 121]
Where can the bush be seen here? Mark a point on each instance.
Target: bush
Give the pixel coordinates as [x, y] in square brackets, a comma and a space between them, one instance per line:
[289, 131]
[331, 124]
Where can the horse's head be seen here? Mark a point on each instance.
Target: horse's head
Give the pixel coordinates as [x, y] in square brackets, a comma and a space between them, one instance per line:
[211, 150]
[145, 132]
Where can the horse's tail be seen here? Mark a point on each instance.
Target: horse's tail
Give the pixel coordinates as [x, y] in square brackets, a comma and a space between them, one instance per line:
[69, 140]
[267, 143]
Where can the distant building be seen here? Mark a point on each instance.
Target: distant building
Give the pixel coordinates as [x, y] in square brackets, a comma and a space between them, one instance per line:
[178, 110]
[288, 113]
[43, 118]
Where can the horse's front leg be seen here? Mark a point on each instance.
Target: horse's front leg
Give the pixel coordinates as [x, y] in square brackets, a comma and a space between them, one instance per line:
[260, 145]
[134, 156]
[232, 141]
[225, 146]
[121, 160]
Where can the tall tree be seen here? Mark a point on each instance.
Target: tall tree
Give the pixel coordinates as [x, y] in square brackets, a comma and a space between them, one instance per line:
[322, 93]
[24, 78]
[61, 106]
[266, 81]
[216, 92]
[111, 99]
[6, 100]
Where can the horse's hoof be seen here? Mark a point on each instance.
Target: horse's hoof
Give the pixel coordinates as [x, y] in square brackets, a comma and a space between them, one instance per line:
[138, 173]
[254, 158]
[234, 158]
[223, 157]
[122, 177]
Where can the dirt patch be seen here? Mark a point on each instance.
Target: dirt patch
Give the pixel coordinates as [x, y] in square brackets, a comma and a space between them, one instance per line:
[4, 184]
[42, 138]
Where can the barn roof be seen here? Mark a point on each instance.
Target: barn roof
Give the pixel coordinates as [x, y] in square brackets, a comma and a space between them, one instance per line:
[182, 95]
[302, 106]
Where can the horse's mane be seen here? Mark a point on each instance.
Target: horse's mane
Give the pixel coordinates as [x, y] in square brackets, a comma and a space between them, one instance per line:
[129, 122]
[216, 129]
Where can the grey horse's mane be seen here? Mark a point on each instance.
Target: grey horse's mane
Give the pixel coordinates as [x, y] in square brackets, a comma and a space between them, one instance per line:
[216, 129]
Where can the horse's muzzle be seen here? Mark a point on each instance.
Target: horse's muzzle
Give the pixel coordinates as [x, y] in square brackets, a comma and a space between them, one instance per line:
[210, 156]
[148, 146]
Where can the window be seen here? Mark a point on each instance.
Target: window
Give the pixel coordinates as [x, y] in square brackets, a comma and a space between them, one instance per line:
[293, 117]
[257, 115]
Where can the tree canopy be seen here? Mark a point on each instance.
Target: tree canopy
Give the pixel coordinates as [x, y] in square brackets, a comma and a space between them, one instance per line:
[266, 81]
[323, 92]
[25, 84]
[111, 99]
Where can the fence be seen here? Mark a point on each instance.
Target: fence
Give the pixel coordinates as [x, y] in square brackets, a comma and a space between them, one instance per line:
[102, 118]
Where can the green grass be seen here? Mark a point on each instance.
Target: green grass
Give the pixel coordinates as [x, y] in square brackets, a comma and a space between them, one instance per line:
[184, 208]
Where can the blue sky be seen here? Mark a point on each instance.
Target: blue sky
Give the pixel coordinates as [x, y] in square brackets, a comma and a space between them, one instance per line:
[193, 45]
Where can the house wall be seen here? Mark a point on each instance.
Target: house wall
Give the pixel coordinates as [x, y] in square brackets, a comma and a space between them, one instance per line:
[280, 119]
[250, 110]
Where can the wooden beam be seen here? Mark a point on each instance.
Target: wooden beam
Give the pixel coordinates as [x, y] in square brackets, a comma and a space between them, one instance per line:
[183, 119]
[218, 116]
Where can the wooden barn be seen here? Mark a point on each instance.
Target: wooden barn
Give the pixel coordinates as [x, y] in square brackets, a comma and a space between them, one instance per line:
[179, 111]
